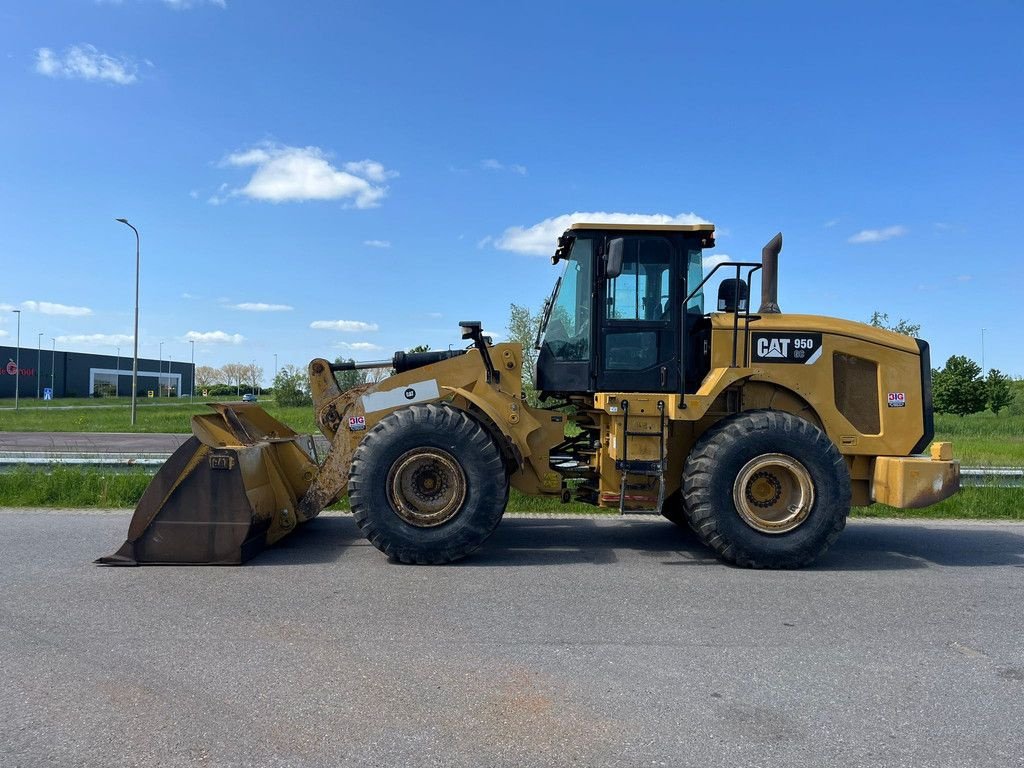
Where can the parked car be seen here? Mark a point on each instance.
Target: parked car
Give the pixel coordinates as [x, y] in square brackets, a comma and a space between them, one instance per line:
[248, 398]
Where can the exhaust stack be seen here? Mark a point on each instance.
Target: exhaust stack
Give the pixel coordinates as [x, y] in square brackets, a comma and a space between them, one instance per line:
[770, 277]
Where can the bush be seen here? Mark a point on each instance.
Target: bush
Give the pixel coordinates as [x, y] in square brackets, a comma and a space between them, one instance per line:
[291, 387]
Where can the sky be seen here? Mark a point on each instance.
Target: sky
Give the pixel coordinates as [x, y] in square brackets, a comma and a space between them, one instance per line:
[315, 179]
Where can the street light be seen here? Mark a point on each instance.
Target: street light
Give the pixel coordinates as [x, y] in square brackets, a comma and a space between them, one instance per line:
[53, 361]
[135, 359]
[160, 370]
[17, 360]
[117, 379]
[39, 366]
[192, 389]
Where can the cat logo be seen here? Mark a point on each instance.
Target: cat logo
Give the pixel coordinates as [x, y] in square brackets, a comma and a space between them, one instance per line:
[772, 347]
[802, 348]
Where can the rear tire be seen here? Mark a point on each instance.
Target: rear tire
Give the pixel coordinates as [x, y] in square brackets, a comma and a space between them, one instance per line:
[427, 485]
[766, 489]
[673, 510]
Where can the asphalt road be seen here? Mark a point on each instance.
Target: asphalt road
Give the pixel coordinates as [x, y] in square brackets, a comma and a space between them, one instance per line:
[563, 642]
[91, 442]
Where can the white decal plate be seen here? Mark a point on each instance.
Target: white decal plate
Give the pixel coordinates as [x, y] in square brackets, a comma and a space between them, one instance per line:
[419, 392]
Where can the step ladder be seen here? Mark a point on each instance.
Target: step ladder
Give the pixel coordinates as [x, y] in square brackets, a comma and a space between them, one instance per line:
[641, 467]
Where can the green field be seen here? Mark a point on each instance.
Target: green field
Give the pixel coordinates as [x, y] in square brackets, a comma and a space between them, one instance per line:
[978, 440]
[983, 439]
[113, 414]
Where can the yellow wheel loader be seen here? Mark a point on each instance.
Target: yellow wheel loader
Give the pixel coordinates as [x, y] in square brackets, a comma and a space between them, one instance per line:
[758, 430]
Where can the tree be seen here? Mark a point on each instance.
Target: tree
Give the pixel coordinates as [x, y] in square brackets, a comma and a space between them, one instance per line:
[254, 375]
[234, 373]
[958, 388]
[207, 376]
[1016, 406]
[377, 375]
[291, 386]
[348, 379]
[522, 329]
[997, 388]
[905, 327]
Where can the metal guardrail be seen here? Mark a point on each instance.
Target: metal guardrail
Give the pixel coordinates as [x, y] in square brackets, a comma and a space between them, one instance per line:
[43, 458]
[992, 477]
[974, 477]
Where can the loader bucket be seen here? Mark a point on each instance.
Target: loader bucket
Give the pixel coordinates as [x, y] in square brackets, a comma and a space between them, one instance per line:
[229, 491]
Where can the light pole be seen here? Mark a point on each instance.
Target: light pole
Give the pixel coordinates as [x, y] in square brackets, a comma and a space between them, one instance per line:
[117, 379]
[53, 363]
[192, 389]
[135, 359]
[39, 358]
[17, 360]
[160, 370]
[169, 361]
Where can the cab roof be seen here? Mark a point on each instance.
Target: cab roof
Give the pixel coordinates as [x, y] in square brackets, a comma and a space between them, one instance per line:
[644, 227]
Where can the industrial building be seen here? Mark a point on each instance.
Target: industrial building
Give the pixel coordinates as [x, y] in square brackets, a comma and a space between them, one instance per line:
[81, 374]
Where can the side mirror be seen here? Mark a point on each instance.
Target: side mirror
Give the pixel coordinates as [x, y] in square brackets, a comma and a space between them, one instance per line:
[732, 295]
[613, 258]
[469, 329]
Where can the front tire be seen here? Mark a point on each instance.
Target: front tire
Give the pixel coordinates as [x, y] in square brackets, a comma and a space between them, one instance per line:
[766, 489]
[427, 485]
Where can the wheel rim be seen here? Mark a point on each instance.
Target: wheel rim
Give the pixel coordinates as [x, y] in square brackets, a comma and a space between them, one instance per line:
[773, 493]
[426, 487]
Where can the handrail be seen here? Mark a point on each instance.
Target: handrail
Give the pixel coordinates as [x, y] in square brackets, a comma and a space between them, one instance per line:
[735, 305]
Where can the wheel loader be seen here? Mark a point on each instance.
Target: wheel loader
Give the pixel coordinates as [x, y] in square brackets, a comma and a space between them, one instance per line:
[756, 429]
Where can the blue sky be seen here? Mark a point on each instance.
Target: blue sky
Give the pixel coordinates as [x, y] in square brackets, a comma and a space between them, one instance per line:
[323, 178]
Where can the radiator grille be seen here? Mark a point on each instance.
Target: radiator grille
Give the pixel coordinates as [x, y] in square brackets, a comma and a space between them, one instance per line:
[856, 391]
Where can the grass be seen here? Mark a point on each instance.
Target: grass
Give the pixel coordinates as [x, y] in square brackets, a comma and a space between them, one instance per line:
[984, 439]
[968, 504]
[113, 414]
[72, 487]
[78, 487]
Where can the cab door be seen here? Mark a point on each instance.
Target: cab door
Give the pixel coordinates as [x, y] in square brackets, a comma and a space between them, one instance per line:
[638, 349]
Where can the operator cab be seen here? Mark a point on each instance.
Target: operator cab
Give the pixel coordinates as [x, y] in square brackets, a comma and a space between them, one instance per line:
[616, 320]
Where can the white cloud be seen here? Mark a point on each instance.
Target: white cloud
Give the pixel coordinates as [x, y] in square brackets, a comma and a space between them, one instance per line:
[964, 278]
[182, 5]
[377, 243]
[878, 235]
[86, 62]
[830, 223]
[49, 308]
[371, 170]
[540, 238]
[435, 315]
[214, 337]
[97, 339]
[348, 326]
[178, 5]
[496, 165]
[255, 306]
[290, 174]
[712, 260]
[357, 346]
[4, 333]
